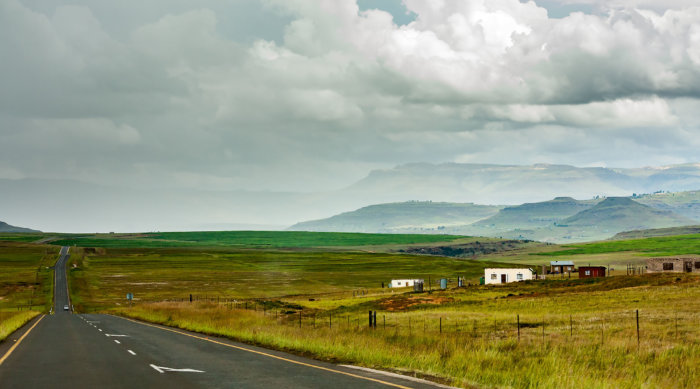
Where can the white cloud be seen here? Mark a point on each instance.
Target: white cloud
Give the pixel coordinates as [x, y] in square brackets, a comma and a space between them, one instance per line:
[470, 80]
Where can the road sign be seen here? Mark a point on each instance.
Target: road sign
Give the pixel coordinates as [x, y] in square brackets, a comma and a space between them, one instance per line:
[129, 296]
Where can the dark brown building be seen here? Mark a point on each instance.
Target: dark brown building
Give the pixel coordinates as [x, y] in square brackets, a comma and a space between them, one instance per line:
[591, 271]
[673, 265]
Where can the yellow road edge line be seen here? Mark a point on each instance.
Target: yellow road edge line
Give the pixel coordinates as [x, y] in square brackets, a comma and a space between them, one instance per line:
[14, 346]
[266, 354]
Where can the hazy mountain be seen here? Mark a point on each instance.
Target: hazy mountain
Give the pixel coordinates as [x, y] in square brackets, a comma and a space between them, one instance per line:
[411, 216]
[682, 203]
[530, 215]
[562, 219]
[502, 184]
[616, 214]
[4, 227]
[64, 205]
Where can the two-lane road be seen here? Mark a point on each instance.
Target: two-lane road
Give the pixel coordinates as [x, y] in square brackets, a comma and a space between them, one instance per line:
[66, 350]
[60, 294]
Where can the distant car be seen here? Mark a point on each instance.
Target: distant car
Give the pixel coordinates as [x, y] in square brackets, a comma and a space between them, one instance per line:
[66, 308]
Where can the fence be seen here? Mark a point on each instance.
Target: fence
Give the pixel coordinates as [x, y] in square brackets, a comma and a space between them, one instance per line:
[631, 327]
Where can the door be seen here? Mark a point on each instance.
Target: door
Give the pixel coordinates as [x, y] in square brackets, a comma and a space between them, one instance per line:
[503, 278]
[688, 267]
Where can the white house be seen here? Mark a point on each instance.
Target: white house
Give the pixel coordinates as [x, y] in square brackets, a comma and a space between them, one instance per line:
[403, 283]
[504, 276]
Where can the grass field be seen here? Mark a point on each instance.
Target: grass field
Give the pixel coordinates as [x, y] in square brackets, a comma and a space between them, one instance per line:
[573, 334]
[25, 283]
[102, 277]
[249, 239]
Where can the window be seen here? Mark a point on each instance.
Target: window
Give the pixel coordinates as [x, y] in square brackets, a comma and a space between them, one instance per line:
[697, 265]
[494, 276]
[520, 276]
[587, 272]
[668, 266]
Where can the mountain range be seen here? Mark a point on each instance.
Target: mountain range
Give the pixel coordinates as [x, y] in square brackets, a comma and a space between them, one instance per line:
[560, 220]
[79, 206]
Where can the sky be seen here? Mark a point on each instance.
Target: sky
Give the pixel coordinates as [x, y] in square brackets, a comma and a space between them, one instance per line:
[311, 95]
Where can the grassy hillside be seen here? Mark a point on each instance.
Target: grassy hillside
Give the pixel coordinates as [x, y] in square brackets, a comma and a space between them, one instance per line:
[249, 239]
[617, 214]
[531, 215]
[423, 216]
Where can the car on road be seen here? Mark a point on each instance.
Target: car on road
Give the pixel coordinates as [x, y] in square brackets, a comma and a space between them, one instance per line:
[66, 308]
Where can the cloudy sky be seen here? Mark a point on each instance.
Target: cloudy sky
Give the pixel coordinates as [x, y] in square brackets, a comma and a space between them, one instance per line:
[307, 95]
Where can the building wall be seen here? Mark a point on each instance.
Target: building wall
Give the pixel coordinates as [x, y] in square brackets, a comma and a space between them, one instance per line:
[511, 275]
[562, 268]
[403, 283]
[673, 265]
[593, 271]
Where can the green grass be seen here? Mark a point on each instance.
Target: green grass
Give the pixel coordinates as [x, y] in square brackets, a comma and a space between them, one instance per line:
[103, 277]
[250, 239]
[20, 237]
[25, 277]
[26, 283]
[658, 246]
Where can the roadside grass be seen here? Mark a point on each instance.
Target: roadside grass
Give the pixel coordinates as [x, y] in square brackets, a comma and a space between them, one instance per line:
[26, 283]
[102, 277]
[11, 322]
[249, 239]
[573, 334]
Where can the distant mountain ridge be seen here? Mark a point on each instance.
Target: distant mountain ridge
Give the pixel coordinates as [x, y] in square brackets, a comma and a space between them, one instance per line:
[530, 215]
[512, 184]
[622, 213]
[563, 219]
[4, 227]
[413, 216]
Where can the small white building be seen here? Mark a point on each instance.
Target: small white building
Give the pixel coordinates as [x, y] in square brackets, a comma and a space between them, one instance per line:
[404, 283]
[504, 276]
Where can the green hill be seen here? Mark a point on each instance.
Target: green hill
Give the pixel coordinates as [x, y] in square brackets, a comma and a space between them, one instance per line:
[616, 214]
[4, 227]
[530, 215]
[682, 203]
[411, 216]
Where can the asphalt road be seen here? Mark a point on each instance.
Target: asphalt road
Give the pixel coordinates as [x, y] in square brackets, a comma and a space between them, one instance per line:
[66, 350]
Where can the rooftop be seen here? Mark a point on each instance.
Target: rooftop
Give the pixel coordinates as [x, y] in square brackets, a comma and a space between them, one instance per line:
[561, 263]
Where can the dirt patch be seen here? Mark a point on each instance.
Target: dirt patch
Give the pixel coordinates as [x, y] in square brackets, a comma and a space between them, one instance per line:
[472, 249]
[402, 303]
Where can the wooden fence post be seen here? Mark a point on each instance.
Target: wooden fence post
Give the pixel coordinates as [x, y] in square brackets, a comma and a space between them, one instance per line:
[637, 328]
[518, 328]
[441, 325]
